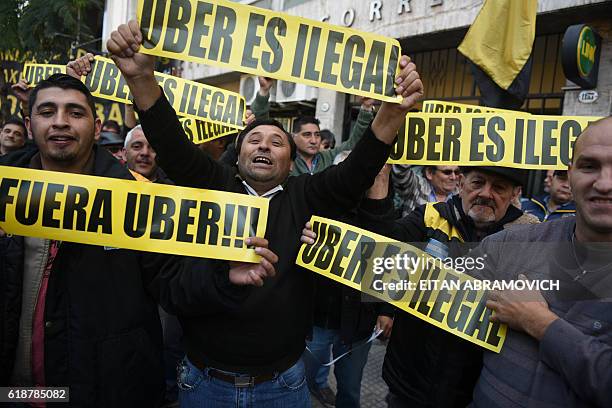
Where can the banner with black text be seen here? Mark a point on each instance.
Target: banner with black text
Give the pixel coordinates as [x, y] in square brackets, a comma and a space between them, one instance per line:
[272, 44]
[130, 214]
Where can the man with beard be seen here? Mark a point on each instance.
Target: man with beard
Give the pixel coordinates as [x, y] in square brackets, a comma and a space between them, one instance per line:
[253, 354]
[444, 374]
[444, 370]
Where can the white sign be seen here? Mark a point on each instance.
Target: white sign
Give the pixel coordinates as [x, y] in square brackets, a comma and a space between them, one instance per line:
[588, 96]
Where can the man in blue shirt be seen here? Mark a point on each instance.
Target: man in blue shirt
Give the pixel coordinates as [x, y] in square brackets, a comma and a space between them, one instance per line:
[558, 204]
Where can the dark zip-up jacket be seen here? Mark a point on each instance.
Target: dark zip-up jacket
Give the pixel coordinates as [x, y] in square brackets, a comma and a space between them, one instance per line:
[267, 333]
[538, 206]
[102, 328]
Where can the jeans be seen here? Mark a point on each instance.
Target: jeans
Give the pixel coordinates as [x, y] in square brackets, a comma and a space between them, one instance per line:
[348, 370]
[173, 352]
[198, 389]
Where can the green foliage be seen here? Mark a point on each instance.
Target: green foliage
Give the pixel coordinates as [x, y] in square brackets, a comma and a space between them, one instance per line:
[48, 28]
[9, 23]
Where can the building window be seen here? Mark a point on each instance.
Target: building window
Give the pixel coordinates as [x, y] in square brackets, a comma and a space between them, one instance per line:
[447, 76]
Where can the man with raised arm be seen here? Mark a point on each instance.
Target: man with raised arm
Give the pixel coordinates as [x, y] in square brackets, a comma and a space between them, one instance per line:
[253, 353]
[85, 316]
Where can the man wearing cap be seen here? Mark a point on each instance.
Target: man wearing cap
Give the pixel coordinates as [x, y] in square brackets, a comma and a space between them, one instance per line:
[558, 204]
[112, 142]
[425, 366]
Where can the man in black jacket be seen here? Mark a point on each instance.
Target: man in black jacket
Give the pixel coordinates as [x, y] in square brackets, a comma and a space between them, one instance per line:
[444, 373]
[253, 353]
[83, 316]
[424, 365]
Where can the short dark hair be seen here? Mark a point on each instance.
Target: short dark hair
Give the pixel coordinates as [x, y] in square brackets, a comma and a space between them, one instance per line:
[265, 122]
[62, 81]
[304, 120]
[327, 134]
[113, 124]
[14, 120]
[433, 169]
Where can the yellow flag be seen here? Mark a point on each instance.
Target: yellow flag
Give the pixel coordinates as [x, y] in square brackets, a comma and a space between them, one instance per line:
[501, 38]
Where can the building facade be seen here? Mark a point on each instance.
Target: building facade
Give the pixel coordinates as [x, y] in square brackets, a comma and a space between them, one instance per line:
[429, 32]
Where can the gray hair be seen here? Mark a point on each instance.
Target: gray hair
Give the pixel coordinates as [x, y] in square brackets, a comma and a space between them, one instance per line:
[130, 135]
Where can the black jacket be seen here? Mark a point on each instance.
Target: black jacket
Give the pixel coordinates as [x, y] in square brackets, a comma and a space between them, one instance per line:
[339, 307]
[267, 333]
[424, 365]
[103, 333]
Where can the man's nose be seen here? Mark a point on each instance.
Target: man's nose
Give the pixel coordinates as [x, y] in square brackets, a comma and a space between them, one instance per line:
[603, 184]
[60, 119]
[485, 191]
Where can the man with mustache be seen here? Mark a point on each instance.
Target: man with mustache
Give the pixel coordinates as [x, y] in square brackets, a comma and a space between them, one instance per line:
[444, 373]
[139, 155]
[425, 366]
[557, 204]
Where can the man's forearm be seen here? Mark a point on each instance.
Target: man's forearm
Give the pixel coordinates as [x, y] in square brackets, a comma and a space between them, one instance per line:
[583, 361]
[145, 91]
[261, 107]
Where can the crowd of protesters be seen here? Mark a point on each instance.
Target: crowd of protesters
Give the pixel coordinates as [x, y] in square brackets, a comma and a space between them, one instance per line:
[235, 334]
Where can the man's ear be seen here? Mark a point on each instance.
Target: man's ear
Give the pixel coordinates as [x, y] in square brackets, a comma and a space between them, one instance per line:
[97, 129]
[516, 192]
[428, 173]
[461, 183]
[28, 125]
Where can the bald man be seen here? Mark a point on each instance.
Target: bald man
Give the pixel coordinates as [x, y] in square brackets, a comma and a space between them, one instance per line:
[558, 350]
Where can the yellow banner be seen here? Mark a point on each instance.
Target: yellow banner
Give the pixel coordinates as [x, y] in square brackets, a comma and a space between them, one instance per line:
[264, 42]
[188, 98]
[489, 139]
[129, 214]
[352, 257]
[34, 73]
[433, 106]
[201, 132]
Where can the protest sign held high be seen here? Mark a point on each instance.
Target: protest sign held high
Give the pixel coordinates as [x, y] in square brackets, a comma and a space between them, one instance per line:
[189, 98]
[129, 214]
[433, 106]
[272, 44]
[351, 256]
[34, 73]
[509, 139]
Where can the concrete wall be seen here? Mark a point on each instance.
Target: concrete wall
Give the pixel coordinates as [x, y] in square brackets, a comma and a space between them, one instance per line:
[398, 19]
[117, 12]
[406, 18]
[603, 105]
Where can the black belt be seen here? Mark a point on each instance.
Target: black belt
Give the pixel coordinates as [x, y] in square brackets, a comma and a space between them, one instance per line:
[240, 381]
